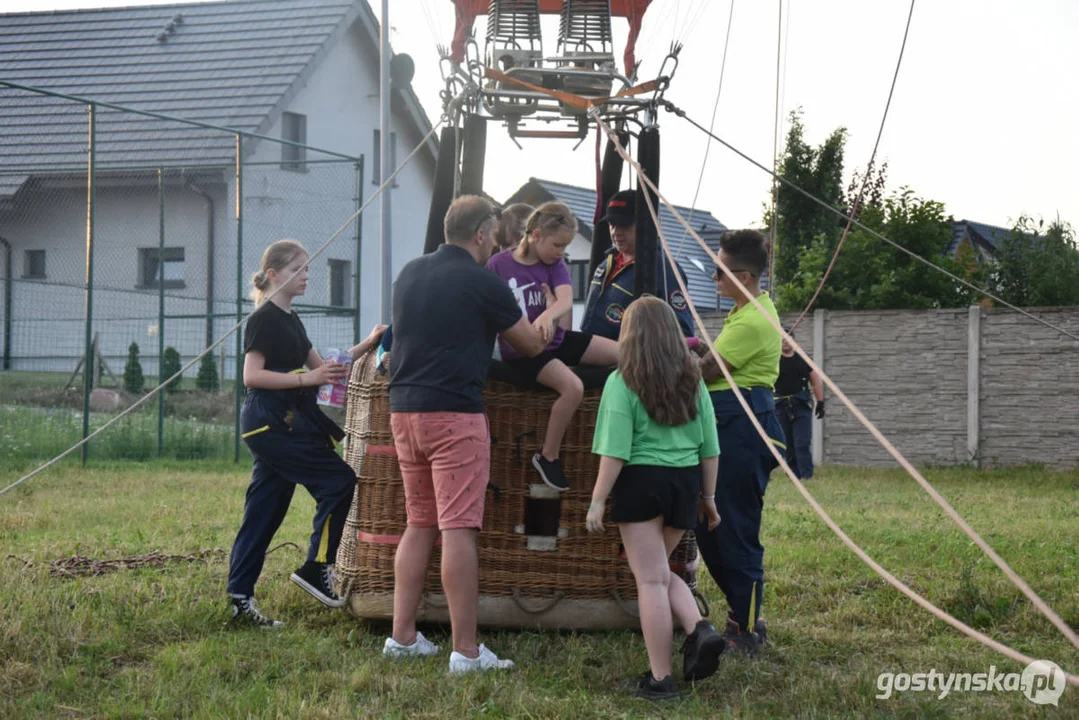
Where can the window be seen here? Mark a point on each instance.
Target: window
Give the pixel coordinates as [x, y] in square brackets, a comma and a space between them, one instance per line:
[150, 274]
[340, 283]
[578, 275]
[34, 264]
[377, 155]
[294, 129]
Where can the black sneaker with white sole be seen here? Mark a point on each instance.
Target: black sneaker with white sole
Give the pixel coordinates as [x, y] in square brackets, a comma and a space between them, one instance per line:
[246, 612]
[317, 580]
[551, 472]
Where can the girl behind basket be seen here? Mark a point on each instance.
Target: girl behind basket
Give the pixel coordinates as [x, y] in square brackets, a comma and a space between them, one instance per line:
[656, 435]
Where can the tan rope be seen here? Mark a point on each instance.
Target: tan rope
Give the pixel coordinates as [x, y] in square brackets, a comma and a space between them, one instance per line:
[895, 582]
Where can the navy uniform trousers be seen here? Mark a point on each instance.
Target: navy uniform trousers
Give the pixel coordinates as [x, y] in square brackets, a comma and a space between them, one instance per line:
[292, 444]
[733, 552]
[796, 418]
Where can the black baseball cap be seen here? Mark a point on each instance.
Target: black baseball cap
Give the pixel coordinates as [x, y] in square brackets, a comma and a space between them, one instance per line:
[621, 209]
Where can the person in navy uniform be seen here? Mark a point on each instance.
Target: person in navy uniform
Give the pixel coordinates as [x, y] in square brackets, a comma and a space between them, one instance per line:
[611, 290]
[793, 408]
[290, 438]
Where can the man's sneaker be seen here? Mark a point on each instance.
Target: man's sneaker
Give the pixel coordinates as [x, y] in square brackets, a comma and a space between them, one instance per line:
[486, 660]
[646, 686]
[701, 651]
[317, 579]
[551, 472]
[246, 612]
[419, 648]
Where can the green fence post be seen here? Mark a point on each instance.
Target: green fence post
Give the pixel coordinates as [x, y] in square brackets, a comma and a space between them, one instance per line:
[356, 329]
[88, 364]
[160, 310]
[238, 385]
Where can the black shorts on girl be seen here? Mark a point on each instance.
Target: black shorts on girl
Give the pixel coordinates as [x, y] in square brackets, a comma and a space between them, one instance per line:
[643, 492]
[573, 347]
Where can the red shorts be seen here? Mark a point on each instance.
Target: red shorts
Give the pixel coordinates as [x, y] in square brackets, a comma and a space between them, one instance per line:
[445, 460]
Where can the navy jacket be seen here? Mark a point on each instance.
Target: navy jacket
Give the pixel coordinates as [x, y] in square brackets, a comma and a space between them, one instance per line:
[608, 297]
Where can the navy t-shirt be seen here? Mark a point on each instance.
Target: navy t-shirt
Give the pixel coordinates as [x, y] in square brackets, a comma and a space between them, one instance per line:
[447, 311]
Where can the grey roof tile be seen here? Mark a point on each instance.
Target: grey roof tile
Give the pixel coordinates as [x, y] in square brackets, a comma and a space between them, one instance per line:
[225, 63]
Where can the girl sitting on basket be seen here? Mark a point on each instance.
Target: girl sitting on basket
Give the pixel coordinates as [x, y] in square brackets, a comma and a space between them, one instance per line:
[659, 452]
[533, 270]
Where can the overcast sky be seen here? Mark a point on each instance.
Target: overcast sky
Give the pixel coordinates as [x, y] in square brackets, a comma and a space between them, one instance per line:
[983, 117]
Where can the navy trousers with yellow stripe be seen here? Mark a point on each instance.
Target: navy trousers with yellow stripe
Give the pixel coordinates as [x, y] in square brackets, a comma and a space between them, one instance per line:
[733, 551]
[283, 460]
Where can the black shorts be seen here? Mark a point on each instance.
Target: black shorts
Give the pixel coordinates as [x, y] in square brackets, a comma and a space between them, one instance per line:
[643, 492]
[573, 347]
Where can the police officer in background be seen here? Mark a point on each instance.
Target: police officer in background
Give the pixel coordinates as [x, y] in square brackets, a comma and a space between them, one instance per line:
[611, 290]
[792, 388]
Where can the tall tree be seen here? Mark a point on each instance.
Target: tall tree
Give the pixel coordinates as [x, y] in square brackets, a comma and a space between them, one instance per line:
[1033, 268]
[870, 274]
[800, 222]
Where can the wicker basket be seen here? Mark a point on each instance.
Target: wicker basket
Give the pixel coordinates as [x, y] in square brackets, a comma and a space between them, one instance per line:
[538, 565]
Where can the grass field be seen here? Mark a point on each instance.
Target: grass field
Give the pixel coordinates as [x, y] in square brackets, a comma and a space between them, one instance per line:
[154, 642]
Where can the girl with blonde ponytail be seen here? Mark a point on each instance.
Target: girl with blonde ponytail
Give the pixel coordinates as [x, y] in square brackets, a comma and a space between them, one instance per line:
[537, 274]
[291, 440]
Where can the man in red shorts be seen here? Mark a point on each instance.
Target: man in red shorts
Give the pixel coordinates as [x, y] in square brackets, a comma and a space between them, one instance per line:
[447, 310]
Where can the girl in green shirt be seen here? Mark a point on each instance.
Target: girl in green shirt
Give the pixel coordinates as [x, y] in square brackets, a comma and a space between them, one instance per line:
[656, 438]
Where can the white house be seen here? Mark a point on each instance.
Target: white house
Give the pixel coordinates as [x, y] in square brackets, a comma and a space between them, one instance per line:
[300, 70]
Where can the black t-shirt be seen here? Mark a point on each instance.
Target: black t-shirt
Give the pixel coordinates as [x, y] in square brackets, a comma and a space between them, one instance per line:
[793, 374]
[447, 310]
[279, 336]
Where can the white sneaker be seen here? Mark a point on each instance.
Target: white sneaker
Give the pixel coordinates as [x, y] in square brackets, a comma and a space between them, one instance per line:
[486, 660]
[421, 647]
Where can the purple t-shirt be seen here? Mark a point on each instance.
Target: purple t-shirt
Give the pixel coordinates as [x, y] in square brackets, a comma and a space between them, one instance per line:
[526, 282]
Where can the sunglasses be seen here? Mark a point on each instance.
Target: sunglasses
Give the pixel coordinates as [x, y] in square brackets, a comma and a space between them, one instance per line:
[494, 215]
[719, 271]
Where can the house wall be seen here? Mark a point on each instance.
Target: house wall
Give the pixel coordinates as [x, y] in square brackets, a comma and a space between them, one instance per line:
[946, 387]
[340, 101]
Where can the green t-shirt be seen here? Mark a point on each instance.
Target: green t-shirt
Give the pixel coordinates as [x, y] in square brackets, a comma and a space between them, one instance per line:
[625, 431]
[752, 345]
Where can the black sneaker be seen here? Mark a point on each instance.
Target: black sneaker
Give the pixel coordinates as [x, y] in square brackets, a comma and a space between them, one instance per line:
[551, 472]
[647, 687]
[741, 641]
[701, 651]
[760, 628]
[317, 579]
[246, 612]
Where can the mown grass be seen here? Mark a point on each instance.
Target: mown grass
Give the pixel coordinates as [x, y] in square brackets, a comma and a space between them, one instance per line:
[155, 642]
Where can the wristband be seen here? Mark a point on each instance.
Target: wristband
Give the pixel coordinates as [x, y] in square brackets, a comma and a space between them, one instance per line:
[708, 497]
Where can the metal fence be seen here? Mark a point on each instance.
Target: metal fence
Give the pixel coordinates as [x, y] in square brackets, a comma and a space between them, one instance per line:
[126, 236]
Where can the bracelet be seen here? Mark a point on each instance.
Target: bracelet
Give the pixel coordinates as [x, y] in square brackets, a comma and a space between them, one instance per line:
[708, 497]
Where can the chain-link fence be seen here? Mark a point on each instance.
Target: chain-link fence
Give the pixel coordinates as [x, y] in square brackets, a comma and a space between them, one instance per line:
[129, 239]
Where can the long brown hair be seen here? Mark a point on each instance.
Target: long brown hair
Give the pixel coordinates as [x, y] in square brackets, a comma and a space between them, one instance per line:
[656, 363]
[548, 219]
[276, 257]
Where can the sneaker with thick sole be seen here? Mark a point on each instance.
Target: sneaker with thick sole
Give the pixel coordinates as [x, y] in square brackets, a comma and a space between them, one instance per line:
[647, 687]
[486, 660]
[245, 612]
[701, 651]
[421, 647]
[317, 580]
[760, 629]
[550, 471]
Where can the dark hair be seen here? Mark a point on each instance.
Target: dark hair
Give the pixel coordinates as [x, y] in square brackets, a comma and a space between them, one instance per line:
[746, 249]
[511, 226]
[656, 364]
